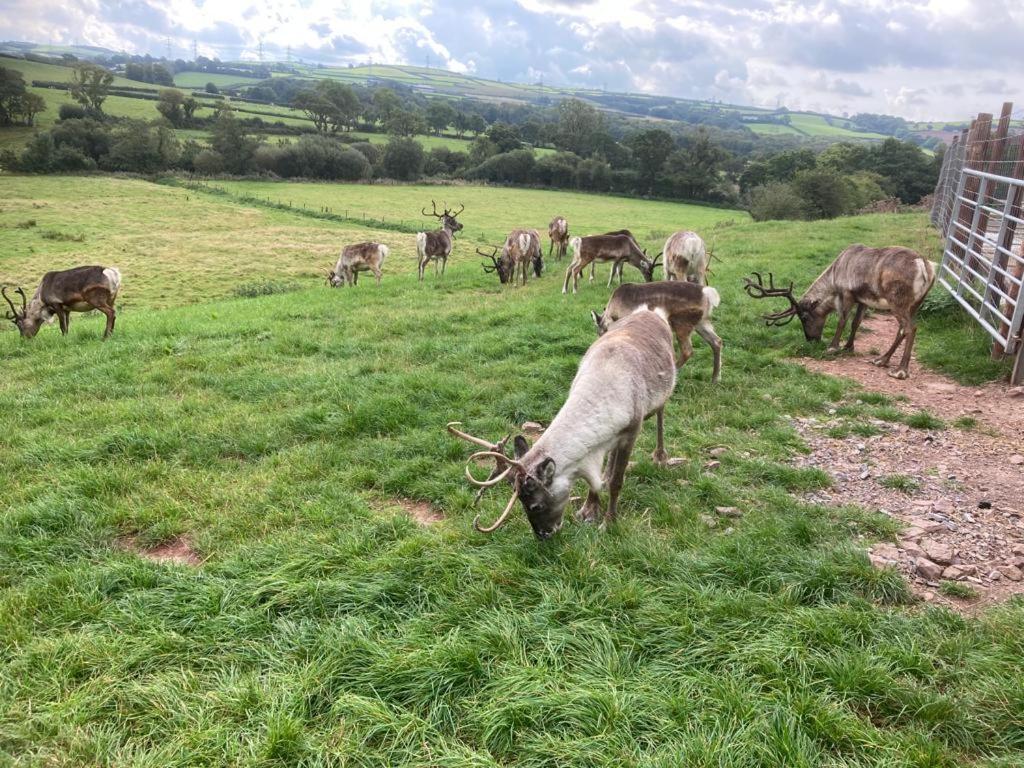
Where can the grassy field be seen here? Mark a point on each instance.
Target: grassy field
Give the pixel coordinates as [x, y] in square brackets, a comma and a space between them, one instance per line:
[281, 435]
[200, 79]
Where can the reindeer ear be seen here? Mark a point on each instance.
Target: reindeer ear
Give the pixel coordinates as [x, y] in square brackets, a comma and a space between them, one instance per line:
[596, 317]
[546, 471]
[521, 446]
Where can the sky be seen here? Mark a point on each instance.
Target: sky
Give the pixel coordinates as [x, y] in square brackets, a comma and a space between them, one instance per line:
[941, 59]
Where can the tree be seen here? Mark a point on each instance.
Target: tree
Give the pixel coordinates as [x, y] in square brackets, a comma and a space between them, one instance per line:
[577, 124]
[785, 165]
[230, 141]
[650, 150]
[316, 107]
[344, 100]
[403, 159]
[775, 201]
[90, 85]
[31, 104]
[825, 194]
[505, 137]
[910, 171]
[12, 88]
[212, 88]
[476, 124]
[189, 107]
[404, 123]
[170, 105]
[440, 114]
[385, 103]
[695, 169]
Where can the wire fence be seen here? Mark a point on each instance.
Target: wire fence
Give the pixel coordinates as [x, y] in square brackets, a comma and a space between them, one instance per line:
[979, 209]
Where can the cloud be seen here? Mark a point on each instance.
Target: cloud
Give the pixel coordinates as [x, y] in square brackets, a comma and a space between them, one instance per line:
[919, 58]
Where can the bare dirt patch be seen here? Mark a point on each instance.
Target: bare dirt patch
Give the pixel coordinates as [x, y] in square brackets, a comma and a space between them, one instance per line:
[960, 493]
[420, 511]
[177, 550]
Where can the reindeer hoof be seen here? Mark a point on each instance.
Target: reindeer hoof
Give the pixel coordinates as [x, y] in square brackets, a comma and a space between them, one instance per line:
[832, 350]
[660, 458]
[900, 374]
[880, 363]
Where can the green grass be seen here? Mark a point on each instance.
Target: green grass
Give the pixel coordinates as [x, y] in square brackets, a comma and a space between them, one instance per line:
[277, 424]
[200, 79]
[900, 483]
[958, 590]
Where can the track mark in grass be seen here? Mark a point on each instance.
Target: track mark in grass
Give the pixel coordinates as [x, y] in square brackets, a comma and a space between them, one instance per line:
[177, 550]
[419, 511]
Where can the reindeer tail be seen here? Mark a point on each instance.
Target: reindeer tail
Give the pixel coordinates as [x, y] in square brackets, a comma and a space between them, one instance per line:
[712, 298]
[421, 245]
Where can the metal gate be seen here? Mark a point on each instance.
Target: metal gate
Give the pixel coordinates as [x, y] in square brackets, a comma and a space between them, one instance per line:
[983, 260]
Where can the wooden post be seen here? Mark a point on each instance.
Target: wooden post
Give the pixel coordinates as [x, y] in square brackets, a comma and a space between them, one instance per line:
[1009, 235]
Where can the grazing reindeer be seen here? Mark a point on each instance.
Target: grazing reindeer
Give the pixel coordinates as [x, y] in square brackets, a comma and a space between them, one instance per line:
[614, 248]
[617, 266]
[558, 233]
[520, 250]
[361, 257]
[687, 306]
[627, 375]
[535, 253]
[895, 279]
[80, 289]
[686, 258]
[436, 246]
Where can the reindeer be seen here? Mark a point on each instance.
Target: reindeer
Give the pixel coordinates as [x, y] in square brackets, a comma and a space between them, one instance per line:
[361, 257]
[686, 258]
[894, 278]
[437, 245]
[80, 289]
[558, 233]
[520, 250]
[535, 253]
[627, 375]
[613, 247]
[686, 305]
[617, 266]
[502, 265]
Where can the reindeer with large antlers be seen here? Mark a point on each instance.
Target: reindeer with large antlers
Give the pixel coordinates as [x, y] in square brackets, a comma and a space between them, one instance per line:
[627, 375]
[436, 246]
[894, 279]
[80, 289]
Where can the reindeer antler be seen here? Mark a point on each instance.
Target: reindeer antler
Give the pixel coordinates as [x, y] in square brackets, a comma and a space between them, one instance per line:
[462, 207]
[503, 466]
[757, 290]
[492, 256]
[435, 213]
[13, 314]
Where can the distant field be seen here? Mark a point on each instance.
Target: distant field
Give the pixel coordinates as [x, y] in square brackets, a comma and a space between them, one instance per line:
[773, 129]
[32, 70]
[200, 79]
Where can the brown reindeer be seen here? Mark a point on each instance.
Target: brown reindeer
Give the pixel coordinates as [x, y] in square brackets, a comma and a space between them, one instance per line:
[614, 247]
[361, 257]
[627, 375]
[895, 279]
[520, 250]
[80, 289]
[558, 234]
[436, 246]
[686, 305]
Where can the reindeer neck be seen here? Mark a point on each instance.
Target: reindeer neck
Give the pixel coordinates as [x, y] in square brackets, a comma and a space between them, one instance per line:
[821, 288]
[567, 440]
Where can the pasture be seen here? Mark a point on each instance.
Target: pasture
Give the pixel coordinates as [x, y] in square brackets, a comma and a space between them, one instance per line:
[283, 438]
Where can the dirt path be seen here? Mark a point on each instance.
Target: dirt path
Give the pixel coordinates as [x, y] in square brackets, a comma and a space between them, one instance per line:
[959, 492]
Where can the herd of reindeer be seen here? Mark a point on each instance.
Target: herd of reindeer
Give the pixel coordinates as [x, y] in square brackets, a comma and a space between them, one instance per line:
[629, 370]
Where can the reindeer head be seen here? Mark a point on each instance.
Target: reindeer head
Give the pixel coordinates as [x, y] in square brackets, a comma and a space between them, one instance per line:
[447, 217]
[542, 495]
[497, 265]
[647, 267]
[27, 326]
[811, 318]
[333, 278]
[600, 321]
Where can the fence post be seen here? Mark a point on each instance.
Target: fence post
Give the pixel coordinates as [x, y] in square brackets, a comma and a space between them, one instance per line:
[1016, 209]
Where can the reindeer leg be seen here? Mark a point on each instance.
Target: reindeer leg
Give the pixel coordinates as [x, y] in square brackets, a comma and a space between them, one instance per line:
[858, 315]
[903, 372]
[565, 285]
[62, 318]
[591, 508]
[376, 274]
[444, 263]
[883, 361]
[659, 456]
[844, 310]
[683, 331]
[617, 463]
[706, 332]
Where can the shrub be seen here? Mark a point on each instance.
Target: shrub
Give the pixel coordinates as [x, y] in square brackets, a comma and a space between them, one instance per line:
[314, 157]
[90, 137]
[825, 193]
[69, 158]
[370, 151]
[775, 201]
[557, 170]
[403, 159]
[594, 175]
[212, 88]
[623, 180]
[71, 112]
[514, 167]
[208, 162]
[140, 148]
